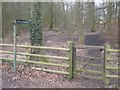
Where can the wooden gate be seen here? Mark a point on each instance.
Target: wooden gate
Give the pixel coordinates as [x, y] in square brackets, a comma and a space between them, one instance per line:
[95, 62]
[89, 66]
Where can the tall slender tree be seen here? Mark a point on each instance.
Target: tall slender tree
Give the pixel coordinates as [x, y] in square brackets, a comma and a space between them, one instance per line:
[64, 14]
[116, 11]
[109, 14]
[118, 39]
[79, 21]
[0, 19]
[51, 16]
[93, 17]
[119, 30]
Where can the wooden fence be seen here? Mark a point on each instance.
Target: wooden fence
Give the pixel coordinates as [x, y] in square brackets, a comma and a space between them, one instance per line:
[71, 60]
[108, 58]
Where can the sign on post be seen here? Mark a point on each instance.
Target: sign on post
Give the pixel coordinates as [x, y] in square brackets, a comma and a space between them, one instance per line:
[14, 29]
[23, 21]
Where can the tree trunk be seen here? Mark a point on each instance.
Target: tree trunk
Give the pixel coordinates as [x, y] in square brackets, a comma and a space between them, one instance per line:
[18, 16]
[116, 12]
[118, 39]
[93, 19]
[109, 15]
[79, 22]
[64, 14]
[35, 27]
[0, 20]
[51, 16]
[119, 24]
[36, 36]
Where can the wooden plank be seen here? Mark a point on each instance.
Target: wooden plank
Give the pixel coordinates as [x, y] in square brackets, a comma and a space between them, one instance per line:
[7, 52]
[112, 68]
[95, 65]
[27, 57]
[90, 71]
[104, 67]
[113, 76]
[15, 55]
[43, 47]
[87, 46]
[52, 71]
[113, 50]
[71, 60]
[10, 45]
[74, 58]
[91, 77]
[37, 62]
[50, 64]
[6, 59]
[46, 56]
[11, 60]
[113, 59]
[37, 55]
[39, 47]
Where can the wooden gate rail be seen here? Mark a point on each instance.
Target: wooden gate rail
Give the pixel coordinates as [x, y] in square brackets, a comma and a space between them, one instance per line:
[36, 62]
[94, 65]
[87, 46]
[37, 55]
[37, 47]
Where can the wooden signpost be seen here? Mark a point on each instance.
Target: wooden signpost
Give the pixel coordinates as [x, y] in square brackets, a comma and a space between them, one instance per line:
[14, 29]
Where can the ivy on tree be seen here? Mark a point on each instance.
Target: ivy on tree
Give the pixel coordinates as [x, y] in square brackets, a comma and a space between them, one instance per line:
[35, 26]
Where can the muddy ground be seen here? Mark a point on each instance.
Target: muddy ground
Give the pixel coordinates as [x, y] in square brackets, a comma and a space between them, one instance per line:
[29, 78]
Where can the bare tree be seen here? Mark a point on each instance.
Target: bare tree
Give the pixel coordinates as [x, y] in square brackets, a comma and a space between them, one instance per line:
[0, 19]
[91, 6]
[79, 21]
[109, 15]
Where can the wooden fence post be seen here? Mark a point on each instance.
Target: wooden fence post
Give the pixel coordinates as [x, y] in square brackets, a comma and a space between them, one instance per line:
[27, 55]
[14, 62]
[71, 60]
[74, 61]
[106, 55]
